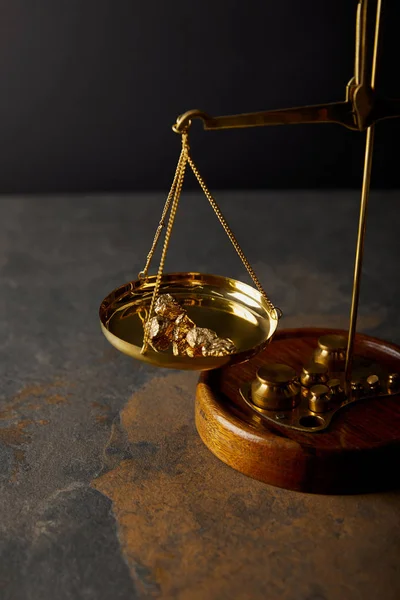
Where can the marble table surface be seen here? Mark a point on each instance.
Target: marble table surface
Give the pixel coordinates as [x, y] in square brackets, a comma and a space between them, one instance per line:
[106, 491]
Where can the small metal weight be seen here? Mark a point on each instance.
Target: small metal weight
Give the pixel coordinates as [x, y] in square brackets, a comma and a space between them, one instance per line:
[313, 374]
[320, 398]
[276, 387]
[336, 389]
[331, 351]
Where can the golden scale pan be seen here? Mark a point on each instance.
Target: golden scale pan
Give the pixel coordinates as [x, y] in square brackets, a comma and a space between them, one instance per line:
[259, 407]
[231, 308]
[225, 306]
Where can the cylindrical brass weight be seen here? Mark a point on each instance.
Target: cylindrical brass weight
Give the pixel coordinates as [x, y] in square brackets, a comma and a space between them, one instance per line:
[313, 374]
[320, 398]
[276, 387]
[331, 351]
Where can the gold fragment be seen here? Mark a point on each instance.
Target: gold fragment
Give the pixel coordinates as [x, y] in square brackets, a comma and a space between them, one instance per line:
[183, 324]
[200, 336]
[160, 333]
[172, 325]
[219, 347]
[179, 347]
[166, 306]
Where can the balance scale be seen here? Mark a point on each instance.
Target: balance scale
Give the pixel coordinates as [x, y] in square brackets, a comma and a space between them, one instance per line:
[314, 410]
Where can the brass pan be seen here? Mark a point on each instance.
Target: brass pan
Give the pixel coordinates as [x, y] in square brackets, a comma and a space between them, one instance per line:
[231, 308]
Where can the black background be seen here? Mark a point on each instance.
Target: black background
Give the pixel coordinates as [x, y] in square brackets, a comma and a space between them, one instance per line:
[90, 90]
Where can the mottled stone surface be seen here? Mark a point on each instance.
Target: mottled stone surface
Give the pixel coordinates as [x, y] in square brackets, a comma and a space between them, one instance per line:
[106, 490]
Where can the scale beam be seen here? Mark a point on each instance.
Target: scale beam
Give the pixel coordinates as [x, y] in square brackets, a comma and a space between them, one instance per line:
[361, 108]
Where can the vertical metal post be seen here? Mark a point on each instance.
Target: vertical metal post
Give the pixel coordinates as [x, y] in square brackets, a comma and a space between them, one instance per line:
[369, 145]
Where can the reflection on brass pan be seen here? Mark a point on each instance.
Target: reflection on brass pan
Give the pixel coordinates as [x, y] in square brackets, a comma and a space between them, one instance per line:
[236, 311]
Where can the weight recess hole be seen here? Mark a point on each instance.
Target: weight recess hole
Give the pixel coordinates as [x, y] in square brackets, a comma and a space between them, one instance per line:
[311, 421]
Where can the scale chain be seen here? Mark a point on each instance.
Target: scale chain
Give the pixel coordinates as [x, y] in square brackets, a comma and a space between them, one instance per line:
[176, 193]
[172, 203]
[161, 225]
[229, 233]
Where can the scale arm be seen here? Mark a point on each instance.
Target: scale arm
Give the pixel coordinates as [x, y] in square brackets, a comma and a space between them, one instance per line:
[336, 112]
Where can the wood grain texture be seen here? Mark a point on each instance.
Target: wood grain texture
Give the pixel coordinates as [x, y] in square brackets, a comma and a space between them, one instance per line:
[359, 452]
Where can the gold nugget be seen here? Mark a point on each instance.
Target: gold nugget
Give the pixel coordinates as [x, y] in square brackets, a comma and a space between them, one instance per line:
[219, 347]
[160, 333]
[183, 324]
[166, 306]
[179, 348]
[197, 339]
[172, 325]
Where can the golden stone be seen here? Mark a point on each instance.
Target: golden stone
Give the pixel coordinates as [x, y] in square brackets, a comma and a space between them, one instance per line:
[160, 333]
[219, 347]
[166, 306]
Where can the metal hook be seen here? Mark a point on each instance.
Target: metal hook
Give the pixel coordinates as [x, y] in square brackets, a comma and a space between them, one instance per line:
[184, 121]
